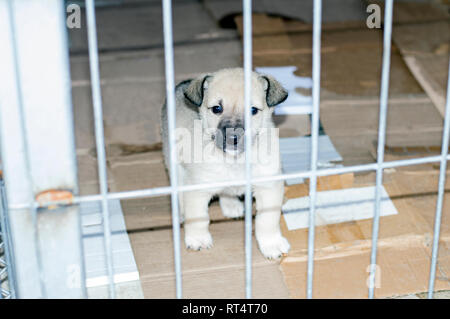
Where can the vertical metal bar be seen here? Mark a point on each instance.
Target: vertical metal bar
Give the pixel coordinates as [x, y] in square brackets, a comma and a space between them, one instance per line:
[317, 25]
[36, 120]
[33, 210]
[247, 12]
[170, 94]
[99, 138]
[440, 198]
[381, 139]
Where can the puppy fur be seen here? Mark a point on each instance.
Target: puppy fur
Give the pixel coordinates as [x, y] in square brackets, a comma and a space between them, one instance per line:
[195, 100]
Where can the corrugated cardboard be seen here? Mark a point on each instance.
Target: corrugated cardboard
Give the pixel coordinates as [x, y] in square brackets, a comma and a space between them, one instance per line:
[353, 126]
[351, 59]
[351, 62]
[342, 251]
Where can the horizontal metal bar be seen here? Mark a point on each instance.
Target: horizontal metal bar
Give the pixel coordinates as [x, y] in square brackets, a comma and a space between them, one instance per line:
[166, 190]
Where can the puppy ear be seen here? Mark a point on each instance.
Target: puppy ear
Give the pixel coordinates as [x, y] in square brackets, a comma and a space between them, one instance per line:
[194, 92]
[275, 93]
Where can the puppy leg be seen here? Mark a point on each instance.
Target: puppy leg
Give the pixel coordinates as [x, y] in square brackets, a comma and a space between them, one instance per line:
[196, 220]
[267, 223]
[231, 206]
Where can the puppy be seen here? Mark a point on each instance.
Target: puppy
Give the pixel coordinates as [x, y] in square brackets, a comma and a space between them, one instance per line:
[210, 148]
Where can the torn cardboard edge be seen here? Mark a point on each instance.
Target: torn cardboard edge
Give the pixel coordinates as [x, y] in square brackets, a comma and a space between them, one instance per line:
[436, 93]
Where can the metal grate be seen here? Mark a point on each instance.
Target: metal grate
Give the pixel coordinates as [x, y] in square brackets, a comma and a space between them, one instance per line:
[4, 284]
[6, 264]
[312, 174]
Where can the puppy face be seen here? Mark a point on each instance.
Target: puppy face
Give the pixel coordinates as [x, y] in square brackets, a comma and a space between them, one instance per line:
[220, 98]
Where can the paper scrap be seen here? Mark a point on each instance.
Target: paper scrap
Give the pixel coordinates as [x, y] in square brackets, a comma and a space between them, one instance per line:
[337, 206]
[296, 155]
[125, 268]
[296, 103]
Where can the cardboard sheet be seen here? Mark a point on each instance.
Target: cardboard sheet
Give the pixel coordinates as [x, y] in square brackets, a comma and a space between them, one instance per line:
[355, 53]
[344, 10]
[138, 27]
[218, 272]
[342, 251]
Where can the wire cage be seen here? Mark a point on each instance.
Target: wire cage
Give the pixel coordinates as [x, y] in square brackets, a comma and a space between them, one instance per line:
[29, 202]
[7, 285]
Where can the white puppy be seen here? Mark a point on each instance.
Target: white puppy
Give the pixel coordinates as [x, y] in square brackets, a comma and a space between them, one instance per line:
[210, 148]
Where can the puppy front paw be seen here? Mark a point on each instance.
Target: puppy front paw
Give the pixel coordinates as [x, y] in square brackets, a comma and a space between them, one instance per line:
[198, 241]
[272, 247]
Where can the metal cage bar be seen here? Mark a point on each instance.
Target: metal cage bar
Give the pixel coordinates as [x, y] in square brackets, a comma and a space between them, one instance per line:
[26, 153]
[441, 190]
[317, 24]
[162, 191]
[387, 33]
[170, 96]
[34, 92]
[100, 139]
[247, 13]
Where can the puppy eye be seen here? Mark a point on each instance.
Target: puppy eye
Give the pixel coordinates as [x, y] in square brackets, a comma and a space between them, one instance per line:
[254, 110]
[218, 109]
